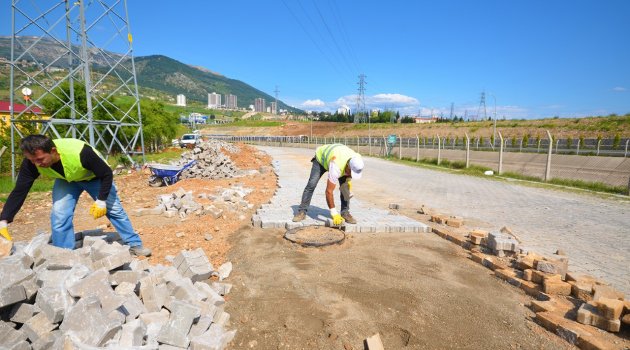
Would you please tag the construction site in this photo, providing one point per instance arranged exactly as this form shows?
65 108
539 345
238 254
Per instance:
420 257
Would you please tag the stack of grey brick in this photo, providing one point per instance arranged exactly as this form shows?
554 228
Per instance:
501 243
99 296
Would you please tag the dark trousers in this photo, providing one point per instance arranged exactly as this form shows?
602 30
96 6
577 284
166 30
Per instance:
317 170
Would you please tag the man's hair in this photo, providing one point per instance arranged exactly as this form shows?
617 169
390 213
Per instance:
31 143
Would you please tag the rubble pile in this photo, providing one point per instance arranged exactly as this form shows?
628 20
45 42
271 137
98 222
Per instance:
181 203
100 296
211 162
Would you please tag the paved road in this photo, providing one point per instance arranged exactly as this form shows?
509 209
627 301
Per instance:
594 232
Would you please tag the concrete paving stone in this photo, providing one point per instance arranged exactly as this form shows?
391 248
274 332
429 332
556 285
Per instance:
11 336
44 251
87 321
225 270
22 312
46 341
121 276
86 286
18 260
175 331
38 326
132 307
154 322
209 293
221 317
13 275
183 289
153 295
201 326
114 261
221 288
126 288
54 302
12 295
22 345
133 333
214 338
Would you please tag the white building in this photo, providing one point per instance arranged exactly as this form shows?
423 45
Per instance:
345 110
181 100
259 104
231 101
274 107
214 100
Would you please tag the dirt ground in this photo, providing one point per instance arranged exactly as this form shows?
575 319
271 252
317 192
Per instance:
416 290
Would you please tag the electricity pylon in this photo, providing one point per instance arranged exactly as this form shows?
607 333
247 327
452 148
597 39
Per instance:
76 56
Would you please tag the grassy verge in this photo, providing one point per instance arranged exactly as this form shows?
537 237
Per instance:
476 170
42 184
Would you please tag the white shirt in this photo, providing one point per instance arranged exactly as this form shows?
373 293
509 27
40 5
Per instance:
334 173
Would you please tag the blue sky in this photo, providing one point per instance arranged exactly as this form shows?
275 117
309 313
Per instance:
534 58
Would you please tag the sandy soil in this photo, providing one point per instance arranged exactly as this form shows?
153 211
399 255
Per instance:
417 290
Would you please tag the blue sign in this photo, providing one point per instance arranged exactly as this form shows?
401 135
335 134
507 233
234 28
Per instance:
391 139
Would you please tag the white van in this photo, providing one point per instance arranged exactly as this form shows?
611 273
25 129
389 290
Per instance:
189 139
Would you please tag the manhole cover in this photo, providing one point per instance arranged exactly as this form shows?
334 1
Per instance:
315 236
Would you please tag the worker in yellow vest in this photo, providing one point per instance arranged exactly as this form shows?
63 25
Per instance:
343 165
76 167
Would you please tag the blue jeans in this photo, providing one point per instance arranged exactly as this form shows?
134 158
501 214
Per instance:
317 170
65 195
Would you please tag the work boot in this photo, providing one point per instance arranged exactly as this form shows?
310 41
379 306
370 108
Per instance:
299 216
349 219
140 250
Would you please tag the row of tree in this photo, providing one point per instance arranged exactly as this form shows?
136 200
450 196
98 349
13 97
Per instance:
158 125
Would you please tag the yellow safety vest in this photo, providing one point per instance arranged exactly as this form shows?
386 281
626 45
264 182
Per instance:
70 152
336 152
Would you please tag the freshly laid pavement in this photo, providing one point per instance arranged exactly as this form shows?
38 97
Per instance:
594 232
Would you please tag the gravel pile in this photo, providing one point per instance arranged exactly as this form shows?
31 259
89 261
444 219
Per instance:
211 162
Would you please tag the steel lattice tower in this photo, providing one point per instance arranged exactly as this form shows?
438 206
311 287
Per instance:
76 55
359 115
482 103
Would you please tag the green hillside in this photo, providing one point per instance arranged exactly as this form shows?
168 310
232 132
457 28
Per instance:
159 77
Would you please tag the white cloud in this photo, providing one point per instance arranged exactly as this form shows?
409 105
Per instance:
395 99
314 103
619 89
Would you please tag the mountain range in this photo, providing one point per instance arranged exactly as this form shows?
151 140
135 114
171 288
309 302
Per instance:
157 75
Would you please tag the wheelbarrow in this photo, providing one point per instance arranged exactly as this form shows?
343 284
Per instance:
165 175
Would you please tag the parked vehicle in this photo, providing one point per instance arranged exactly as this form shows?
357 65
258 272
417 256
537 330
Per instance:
189 140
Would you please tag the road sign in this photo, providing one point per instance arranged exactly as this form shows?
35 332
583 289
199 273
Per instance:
391 139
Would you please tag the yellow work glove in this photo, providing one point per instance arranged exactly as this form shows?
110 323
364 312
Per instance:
98 209
4 231
337 219
349 185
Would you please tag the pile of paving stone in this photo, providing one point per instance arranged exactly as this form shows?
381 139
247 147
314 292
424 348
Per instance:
100 296
182 203
211 162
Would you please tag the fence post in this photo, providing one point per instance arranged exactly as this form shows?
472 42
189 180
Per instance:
548 168
385 147
520 148
577 151
467 150
345 140
500 154
358 145
418 148
399 148
439 150
625 154
557 142
598 143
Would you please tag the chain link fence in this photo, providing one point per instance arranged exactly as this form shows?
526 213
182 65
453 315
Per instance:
605 161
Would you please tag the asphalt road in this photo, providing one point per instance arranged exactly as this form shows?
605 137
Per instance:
594 232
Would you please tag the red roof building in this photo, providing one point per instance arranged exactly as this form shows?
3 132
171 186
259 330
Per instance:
5 108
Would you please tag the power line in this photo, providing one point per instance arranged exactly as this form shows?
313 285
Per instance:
341 52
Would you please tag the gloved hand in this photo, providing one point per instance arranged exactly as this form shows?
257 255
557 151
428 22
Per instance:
98 209
4 231
349 185
337 219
